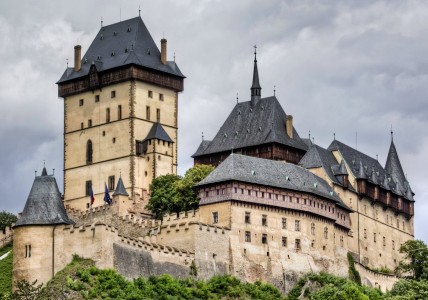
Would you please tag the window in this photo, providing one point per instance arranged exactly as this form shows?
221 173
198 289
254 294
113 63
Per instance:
384 241
264 220
291 199
88 187
148 113
27 250
108 115
97 98
325 232
313 228
81 125
284 241
365 233
393 245
89 152
297 244
119 112
158 115
215 217
89 123
207 194
374 237
161 97
81 102
297 225
111 183
242 191
341 241
264 238
284 223
150 94
247 217
398 224
114 140
248 236
113 94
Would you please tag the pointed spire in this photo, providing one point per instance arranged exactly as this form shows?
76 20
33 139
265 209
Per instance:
120 188
342 168
361 172
385 183
393 165
373 177
255 87
44 172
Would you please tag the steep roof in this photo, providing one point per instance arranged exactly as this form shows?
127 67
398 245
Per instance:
124 43
120 188
158 132
270 173
251 125
202 146
44 205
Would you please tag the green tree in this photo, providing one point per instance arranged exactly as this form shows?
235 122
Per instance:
406 289
415 262
7 219
163 195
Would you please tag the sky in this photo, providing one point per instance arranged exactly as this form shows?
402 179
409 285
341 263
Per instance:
349 68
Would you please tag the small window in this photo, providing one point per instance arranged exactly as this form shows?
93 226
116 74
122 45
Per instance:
158 115
89 123
108 115
264 238
81 125
215 217
81 102
284 241
284 223
374 237
242 191
119 112
207 194
313 228
393 245
148 113
365 233
384 241
104 133
89 152
236 190
341 241
161 97
150 94
114 140
113 94
88 187
247 217
325 232
111 183
263 194
297 244
297 225
249 193
97 98
264 220
248 236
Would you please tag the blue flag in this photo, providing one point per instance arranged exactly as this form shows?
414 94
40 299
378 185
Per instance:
107 198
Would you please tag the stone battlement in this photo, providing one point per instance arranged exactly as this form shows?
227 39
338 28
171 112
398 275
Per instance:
191 215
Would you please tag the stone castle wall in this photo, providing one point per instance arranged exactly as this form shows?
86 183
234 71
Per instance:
376 279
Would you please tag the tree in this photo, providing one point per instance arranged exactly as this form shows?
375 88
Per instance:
415 262
7 219
171 193
27 291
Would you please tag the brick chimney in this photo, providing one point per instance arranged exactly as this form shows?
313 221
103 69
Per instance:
77 57
163 51
289 125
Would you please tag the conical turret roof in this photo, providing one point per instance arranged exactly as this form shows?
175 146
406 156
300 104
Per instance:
393 165
120 188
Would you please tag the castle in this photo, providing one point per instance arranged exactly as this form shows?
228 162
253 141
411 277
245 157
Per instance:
277 206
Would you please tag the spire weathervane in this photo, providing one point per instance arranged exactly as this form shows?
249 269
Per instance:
202 135
237 97
101 22
274 90
392 134
139 10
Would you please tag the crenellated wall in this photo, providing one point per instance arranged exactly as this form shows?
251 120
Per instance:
375 279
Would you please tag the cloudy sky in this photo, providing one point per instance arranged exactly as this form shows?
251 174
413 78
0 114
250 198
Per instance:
345 67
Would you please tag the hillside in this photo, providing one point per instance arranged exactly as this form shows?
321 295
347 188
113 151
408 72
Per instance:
6 270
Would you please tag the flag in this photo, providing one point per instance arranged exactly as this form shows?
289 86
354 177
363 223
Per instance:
107 198
92 196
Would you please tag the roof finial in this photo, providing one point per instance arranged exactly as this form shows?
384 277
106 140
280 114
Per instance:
309 135
101 22
334 136
392 134
255 53
274 90
377 157
53 171
44 164
120 172
256 89
237 97
313 140
35 173
67 62
202 135
174 56
139 10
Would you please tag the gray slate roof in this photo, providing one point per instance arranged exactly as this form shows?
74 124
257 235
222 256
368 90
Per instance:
120 188
202 146
44 205
267 172
158 132
249 125
124 43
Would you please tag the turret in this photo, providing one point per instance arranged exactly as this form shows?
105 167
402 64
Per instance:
256 89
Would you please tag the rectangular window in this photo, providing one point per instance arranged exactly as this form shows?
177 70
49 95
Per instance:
264 220
148 113
97 98
111 183
158 115
89 123
384 241
113 94
298 246
247 218
88 186
365 233
248 236
161 97
119 112
374 237
81 125
284 241
297 225
108 115
206 194
81 102
150 94
215 217
393 245
264 238
284 223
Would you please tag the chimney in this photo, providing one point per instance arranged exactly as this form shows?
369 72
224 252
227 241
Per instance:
77 57
163 51
289 125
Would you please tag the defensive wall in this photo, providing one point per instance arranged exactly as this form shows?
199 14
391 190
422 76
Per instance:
375 279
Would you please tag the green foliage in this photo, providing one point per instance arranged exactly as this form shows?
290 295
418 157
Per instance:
27 290
6 266
352 272
7 219
172 193
415 262
406 289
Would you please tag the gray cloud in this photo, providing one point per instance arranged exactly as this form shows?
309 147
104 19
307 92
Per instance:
338 67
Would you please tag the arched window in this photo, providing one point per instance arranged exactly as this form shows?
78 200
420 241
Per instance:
89 152
325 232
